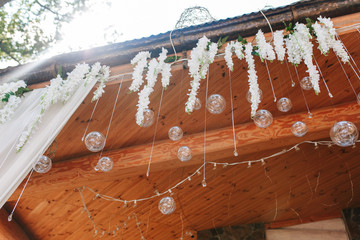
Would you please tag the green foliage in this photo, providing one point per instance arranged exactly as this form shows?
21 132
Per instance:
171 59
19 93
289 28
309 25
222 41
242 40
22 33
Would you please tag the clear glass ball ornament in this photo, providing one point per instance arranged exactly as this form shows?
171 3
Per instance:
248 96
95 141
167 205
299 129
216 104
306 84
175 133
263 118
197 104
344 134
184 153
284 104
104 164
148 118
43 165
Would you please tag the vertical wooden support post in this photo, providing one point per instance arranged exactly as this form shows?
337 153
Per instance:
352 222
10 230
255 231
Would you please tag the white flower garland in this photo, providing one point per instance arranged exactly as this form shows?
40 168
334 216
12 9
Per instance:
140 62
326 39
61 90
155 67
279 45
233 46
299 47
265 49
7 109
253 84
200 58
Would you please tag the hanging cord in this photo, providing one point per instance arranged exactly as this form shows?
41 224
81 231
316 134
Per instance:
292 81
272 87
327 88
22 191
302 91
156 125
92 114
206 102
267 20
112 114
172 44
232 115
338 38
352 87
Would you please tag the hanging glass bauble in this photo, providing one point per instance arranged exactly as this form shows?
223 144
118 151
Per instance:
175 133
248 95
43 165
184 153
299 129
148 118
216 104
167 205
95 141
104 164
306 84
197 104
344 133
263 118
284 104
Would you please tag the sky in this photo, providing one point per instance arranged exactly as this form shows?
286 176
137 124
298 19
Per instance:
139 18
136 19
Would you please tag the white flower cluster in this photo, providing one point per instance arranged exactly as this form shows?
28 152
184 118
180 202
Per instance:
253 84
326 39
233 46
279 45
11 87
265 50
200 58
101 73
155 67
299 47
61 90
140 62
8 108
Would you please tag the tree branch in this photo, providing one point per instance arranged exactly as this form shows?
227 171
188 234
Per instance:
9 54
46 7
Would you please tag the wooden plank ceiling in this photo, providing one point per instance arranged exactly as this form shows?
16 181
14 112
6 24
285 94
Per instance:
299 186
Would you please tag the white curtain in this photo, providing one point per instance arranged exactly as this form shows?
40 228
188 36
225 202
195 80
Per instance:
15 166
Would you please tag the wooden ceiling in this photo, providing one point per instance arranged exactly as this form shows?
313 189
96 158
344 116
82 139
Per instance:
298 186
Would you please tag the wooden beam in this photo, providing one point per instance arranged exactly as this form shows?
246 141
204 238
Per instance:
10 230
219 145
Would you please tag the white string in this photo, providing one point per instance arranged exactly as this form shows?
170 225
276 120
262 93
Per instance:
338 38
206 102
92 114
272 87
352 87
112 114
188 178
302 91
156 125
172 44
330 95
232 114
22 191
292 81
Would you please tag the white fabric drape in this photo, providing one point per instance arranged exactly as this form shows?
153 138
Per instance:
15 166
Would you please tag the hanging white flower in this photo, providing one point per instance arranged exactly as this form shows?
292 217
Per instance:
140 62
299 47
74 79
265 50
154 68
326 39
102 74
8 90
279 45
253 84
233 46
200 58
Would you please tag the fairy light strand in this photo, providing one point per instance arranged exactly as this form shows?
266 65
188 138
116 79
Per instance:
197 171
